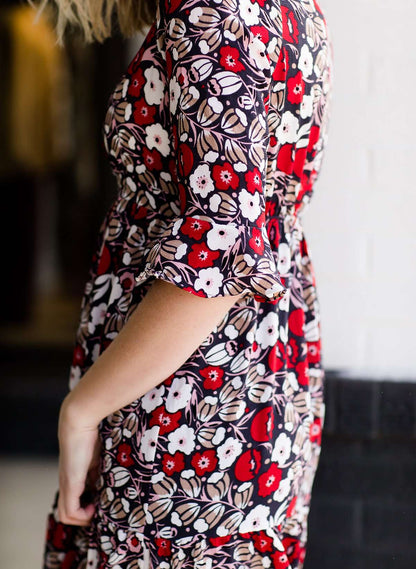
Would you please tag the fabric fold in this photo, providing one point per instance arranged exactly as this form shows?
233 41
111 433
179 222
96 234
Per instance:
212 259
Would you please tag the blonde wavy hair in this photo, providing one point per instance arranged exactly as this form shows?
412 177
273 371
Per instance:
95 18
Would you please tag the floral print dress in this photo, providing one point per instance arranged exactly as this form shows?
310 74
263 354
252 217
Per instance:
216 134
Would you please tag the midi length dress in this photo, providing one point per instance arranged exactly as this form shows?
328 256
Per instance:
216 134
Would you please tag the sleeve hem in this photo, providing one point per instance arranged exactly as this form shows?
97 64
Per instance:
233 286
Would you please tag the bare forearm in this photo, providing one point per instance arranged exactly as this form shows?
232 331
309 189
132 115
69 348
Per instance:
167 326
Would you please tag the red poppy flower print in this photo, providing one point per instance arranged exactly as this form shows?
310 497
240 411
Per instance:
225 177
58 533
297 321
195 228
262 425
213 377
285 159
293 350
152 159
290 25
136 84
299 163
204 462
269 481
143 113
167 422
230 58
185 159
261 33
280 560
280 71
314 352
202 256
173 463
301 369
256 242
254 181
247 465
124 455
277 356
313 139
315 430
78 356
138 211
104 262
296 88
164 546
218 541
263 542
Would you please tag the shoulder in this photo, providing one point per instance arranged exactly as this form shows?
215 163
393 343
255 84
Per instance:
251 26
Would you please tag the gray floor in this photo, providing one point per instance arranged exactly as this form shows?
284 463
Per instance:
27 487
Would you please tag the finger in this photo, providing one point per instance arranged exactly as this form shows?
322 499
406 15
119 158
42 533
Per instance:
72 512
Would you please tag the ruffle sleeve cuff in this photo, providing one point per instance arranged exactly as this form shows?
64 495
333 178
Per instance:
211 259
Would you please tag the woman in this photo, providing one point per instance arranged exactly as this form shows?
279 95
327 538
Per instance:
196 398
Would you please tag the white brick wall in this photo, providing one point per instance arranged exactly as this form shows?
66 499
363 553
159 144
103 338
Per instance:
361 225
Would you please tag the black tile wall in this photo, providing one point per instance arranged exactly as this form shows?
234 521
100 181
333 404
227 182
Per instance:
363 509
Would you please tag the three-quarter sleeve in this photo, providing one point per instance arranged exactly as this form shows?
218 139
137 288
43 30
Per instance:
217 83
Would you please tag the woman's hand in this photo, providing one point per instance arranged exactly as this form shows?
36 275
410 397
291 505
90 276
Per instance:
79 460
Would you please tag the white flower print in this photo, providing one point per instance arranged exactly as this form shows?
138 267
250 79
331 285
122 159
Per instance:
287 131
92 557
283 265
249 204
231 331
179 395
214 202
174 94
201 526
284 302
154 88
249 12
283 490
148 443
215 104
181 439
222 236
74 376
157 137
267 333
281 449
258 52
175 519
211 156
201 181
219 436
97 316
209 280
153 398
256 519
181 251
305 61
283 333
127 112
195 14
312 333
228 452
306 106
116 290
